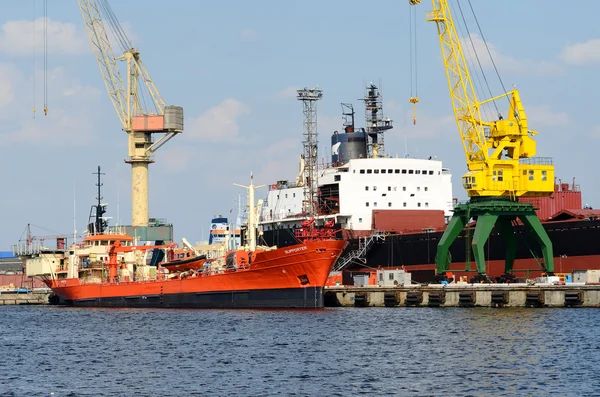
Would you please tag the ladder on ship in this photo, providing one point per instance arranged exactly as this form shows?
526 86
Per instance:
359 255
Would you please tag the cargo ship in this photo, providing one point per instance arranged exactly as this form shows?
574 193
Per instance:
393 211
109 269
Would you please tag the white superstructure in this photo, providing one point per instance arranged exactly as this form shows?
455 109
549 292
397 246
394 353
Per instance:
363 189
351 192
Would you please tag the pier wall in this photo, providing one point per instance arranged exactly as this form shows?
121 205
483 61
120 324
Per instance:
466 295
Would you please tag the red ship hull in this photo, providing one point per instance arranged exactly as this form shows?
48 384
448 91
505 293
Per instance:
282 278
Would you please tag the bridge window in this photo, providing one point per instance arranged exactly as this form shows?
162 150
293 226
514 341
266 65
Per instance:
418 188
418 204
417 172
404 204
389 188
383 171
430 172
390 171
404 171
425 188
375 204
337 178
374 188
424 172
286 195
366 188
531 175
362 171
359 220
411 171
294 195
403 188
426 204
376 171
369 171
389 204
544 175
396 171
367 204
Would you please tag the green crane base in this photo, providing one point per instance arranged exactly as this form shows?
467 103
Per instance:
489 213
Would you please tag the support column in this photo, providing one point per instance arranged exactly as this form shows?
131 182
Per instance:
532 222
506 231
456 225
485 224
139 193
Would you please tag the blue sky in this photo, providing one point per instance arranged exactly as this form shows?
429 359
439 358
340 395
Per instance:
234 67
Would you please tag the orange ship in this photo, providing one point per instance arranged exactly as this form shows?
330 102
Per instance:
109 270
290 277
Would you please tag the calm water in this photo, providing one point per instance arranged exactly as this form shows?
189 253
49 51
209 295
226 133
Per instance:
336 352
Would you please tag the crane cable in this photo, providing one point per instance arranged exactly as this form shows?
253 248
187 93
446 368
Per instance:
477 56
412 26
488 50
45 57
34 57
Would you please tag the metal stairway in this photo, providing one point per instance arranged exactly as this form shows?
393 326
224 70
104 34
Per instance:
359 255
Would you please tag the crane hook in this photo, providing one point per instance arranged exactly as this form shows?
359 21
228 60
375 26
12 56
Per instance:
414 101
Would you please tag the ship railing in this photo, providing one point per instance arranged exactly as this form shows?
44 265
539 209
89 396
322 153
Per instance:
27 249
536 161
280 217
359 255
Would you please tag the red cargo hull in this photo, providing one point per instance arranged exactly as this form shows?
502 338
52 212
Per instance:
286 277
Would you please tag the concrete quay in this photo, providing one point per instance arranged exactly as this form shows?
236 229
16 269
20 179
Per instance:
465 295
24 298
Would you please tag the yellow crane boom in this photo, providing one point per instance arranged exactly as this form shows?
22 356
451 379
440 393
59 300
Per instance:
500 160
499 153
138 122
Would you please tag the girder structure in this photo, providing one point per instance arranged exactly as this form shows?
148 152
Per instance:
140 117
309 97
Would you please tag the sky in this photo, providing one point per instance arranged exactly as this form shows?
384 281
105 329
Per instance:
235 66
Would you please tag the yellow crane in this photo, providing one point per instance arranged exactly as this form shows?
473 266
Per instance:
140 108
500 160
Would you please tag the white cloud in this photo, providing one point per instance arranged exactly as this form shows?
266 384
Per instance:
545 117
71 116
8 73
286 93
248 35
174 159
587 53
59 128
281 147
506 63
22 38
219 123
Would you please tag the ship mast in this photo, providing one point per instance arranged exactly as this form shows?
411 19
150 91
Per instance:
376 125
99 224
309 96
252 219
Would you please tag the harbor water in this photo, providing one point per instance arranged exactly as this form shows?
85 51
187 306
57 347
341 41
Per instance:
60 351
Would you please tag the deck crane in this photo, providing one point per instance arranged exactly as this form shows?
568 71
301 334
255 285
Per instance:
500 159
139 119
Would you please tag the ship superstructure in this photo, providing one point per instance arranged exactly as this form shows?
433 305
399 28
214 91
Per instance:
362 189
